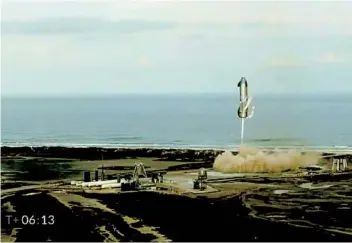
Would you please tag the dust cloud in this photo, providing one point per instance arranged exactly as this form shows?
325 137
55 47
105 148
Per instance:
253 160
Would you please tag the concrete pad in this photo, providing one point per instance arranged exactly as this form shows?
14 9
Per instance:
219 174
178 179
187 186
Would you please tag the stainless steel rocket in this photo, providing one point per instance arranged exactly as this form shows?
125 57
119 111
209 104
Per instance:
245 110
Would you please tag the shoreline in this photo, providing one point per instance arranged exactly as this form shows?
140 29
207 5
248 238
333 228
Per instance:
164 153
233 147
100 153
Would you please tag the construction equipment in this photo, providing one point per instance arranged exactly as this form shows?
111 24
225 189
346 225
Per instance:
157 177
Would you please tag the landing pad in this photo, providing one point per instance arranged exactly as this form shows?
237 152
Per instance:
217 174
187 187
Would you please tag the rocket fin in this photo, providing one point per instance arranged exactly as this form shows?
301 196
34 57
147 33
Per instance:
251 112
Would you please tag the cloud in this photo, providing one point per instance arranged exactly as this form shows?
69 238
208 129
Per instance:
330 57
284 62
52 26
106 41
272 18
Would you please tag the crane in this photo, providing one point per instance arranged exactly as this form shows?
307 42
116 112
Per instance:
135 184
138 170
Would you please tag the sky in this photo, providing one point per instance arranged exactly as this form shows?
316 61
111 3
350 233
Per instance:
113 47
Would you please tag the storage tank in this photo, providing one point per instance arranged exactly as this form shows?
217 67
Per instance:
86 176
96 177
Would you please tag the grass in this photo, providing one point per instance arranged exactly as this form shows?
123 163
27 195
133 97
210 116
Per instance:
152 162
33 168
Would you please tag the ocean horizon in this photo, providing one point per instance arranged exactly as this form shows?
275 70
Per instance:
177 120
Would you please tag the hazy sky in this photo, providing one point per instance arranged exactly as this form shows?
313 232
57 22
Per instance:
96 47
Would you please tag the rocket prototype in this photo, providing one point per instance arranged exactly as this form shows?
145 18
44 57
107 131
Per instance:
245 110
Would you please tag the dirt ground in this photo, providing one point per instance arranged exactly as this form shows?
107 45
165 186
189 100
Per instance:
263 207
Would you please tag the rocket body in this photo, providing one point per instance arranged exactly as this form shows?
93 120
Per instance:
245 109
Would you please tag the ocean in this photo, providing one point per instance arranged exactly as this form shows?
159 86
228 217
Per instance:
198 120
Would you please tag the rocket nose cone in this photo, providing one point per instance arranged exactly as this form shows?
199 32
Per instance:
242 81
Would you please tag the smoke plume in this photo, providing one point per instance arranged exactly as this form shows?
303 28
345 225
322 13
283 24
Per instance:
254 160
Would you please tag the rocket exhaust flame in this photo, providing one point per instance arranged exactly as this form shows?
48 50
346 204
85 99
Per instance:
245 110
242 131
